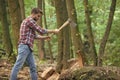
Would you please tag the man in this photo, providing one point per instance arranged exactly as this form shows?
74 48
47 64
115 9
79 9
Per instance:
26 40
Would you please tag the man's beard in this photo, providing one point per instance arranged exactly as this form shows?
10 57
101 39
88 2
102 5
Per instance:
35 19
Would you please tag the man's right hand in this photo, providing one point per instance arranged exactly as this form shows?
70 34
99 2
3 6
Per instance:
56 31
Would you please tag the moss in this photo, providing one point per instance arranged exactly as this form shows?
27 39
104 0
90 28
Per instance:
89 74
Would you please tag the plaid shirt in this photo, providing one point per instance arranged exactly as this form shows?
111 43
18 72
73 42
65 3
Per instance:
27 32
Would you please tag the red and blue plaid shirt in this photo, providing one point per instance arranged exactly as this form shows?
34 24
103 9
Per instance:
27 32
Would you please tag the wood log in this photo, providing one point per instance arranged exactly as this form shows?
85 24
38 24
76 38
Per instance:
54 76
47 73
80 59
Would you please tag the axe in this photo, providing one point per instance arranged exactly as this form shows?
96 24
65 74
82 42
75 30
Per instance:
69 21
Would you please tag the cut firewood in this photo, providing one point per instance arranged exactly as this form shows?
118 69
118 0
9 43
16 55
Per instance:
47 73
75 66
54 76
80 59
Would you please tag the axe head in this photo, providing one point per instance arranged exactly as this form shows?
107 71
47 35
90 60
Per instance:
72 23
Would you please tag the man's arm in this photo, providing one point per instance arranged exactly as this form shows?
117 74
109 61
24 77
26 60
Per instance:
42 37
32 24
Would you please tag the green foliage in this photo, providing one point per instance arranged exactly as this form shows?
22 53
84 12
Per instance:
51 24
29 4
80 15
99 16
113 46
50 15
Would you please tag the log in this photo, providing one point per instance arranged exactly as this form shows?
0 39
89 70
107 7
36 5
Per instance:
55 76
89 73
80 59
47 73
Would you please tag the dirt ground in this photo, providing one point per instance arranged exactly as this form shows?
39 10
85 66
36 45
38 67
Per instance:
24 74
85 73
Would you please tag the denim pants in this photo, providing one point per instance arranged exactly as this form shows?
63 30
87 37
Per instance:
24 55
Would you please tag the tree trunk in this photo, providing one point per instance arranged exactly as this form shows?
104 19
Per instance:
22 8
107 32
15 16
76 37
45 23
89 32
61 14
5 28
66 35
40 43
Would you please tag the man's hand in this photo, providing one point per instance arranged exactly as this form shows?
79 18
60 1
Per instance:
56 31
43 37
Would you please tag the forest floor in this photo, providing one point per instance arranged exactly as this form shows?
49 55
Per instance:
86 73
24 74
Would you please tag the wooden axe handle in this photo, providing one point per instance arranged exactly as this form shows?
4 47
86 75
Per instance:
61 27
65 24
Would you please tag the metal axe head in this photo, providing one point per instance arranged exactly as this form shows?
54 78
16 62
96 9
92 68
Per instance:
72 23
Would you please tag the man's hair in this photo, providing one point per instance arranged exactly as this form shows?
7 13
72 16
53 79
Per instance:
36 11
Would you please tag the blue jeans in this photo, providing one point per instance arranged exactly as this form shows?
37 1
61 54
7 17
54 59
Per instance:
24 54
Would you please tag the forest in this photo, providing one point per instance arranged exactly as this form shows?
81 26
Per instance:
86 48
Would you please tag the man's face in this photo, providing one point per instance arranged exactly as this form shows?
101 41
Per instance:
37 16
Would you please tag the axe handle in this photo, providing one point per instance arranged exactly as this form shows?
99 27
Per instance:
65 24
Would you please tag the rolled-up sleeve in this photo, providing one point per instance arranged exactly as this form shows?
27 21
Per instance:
32 24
